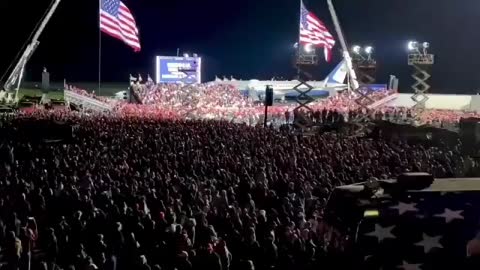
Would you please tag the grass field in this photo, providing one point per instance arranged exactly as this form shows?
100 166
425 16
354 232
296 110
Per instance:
56 92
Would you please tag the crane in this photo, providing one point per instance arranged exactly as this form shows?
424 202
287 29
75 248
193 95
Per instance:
353 81
15 79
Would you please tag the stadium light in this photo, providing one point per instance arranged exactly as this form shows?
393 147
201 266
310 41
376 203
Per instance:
356 49
185 55
195 55
412 45
425 46
308 48
369 50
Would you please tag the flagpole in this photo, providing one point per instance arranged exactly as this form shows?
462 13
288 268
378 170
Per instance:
99 49
299 22
298 40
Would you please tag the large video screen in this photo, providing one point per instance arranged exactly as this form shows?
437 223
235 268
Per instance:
171 69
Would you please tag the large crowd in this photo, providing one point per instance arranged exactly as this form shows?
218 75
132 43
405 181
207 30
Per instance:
142 192
223 101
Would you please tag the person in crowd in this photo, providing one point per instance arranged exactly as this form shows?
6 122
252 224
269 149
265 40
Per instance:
141 192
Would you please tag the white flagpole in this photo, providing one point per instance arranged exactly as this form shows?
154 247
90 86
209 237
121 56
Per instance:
299 22
99 49
298 40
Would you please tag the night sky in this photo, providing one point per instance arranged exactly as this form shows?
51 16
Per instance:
245 38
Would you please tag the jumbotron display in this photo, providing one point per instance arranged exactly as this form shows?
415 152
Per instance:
172 69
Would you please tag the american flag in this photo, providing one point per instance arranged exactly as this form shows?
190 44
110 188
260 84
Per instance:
423 231
313 31
117 21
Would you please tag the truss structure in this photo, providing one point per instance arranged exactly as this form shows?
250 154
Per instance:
421 64
303 112
366 70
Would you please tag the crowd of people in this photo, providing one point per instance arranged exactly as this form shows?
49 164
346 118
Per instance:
139 192
351 101
223 101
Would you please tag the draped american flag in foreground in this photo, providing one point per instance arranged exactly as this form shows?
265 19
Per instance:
313 31
423 231
431 229
117 21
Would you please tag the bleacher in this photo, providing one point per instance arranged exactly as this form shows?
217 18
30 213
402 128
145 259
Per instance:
86 103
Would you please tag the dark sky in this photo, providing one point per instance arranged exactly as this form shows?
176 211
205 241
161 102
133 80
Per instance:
245 38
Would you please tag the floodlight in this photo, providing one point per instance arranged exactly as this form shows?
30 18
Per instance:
426 45
412 45
368 50
185 55
356 49
308 48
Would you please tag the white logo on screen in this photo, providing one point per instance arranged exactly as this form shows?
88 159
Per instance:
174 67
174 73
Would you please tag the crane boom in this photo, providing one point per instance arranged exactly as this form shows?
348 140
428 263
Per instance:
17 73
346 55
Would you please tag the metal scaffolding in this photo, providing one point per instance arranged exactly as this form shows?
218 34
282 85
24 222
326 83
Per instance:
366 70
421 62
304 60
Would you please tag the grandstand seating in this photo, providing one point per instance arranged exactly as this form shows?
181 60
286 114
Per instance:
87 103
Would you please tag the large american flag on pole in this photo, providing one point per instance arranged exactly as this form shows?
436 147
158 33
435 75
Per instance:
117 21
313 31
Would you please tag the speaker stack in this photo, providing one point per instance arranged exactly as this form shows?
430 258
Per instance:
269 96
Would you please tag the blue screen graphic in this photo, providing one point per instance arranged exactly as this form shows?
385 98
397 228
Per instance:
178 69
377 87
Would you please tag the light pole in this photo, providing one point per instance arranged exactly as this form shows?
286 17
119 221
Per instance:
364 64
422 62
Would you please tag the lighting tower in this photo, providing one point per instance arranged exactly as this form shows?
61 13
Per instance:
306 56
422 62
364 64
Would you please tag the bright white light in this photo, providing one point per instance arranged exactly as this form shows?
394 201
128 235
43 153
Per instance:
308 48
185 55
412 45
368 50
295 45
356 49
195 55
426 45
